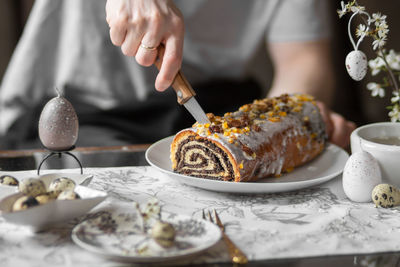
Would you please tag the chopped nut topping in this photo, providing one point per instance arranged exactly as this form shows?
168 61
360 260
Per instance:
234 123
298 145
216 129
245 108
290 169
241 165
297 109
251 115
274 119
247 150
210 116
256 128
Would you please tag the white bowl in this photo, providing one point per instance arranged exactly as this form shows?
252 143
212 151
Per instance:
388 155
57 211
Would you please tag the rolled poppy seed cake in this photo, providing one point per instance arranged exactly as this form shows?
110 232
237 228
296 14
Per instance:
267 137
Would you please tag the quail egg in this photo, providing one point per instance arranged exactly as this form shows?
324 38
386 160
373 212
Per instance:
8 180
32 187
163 233
386 196
68 195
61 184
24 203
45 198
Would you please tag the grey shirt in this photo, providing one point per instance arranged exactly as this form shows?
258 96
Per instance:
66 45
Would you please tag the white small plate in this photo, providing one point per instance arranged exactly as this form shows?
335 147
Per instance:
115 235
326 166
56 211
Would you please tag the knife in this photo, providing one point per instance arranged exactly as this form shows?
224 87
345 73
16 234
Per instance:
184 91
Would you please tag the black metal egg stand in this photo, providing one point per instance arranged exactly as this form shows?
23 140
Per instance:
59 154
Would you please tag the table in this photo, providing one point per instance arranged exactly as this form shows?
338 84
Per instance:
312 227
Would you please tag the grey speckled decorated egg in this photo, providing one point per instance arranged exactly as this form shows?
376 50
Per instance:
356 65
360 175
58 125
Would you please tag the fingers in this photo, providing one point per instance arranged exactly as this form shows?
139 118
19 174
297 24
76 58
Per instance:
325 113
141 29
147 49
117 35
337 127
172 60
117 19
131 42
171 64
342 130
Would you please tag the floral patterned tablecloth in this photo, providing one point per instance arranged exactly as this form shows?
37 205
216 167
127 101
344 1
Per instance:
312 222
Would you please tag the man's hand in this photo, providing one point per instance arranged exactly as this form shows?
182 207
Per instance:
139 26
306 67
337 127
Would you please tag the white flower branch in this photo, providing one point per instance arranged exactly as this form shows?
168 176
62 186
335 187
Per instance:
384 61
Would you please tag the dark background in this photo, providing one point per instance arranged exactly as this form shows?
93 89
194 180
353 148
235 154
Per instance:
352 99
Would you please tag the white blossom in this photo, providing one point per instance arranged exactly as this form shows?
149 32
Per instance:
361 30
356 9
396 97
394 114
376 65
377 18
376 89
343 11
393 59
383 30
380 42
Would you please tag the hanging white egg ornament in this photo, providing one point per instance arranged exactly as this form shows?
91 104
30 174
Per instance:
58 125
356 65
360 175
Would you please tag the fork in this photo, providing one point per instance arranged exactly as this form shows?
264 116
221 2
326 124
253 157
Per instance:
237 256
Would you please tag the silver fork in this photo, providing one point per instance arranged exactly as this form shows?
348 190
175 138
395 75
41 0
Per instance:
237 256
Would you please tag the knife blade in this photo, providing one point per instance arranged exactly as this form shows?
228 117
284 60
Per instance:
184 92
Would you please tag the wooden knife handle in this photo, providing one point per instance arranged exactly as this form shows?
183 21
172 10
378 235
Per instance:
183 89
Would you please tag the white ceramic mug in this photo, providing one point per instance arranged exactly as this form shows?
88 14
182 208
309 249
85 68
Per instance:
388 155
